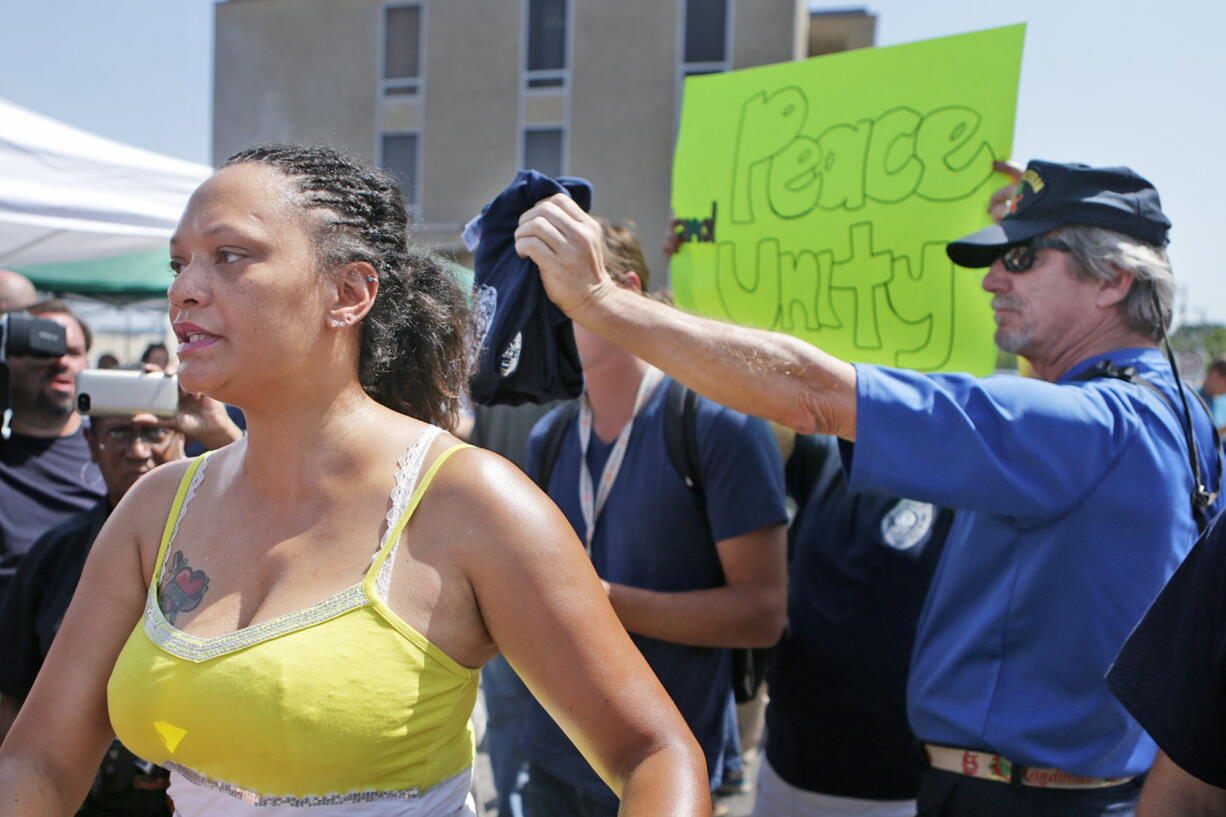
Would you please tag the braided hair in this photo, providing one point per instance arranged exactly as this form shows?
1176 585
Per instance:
414 353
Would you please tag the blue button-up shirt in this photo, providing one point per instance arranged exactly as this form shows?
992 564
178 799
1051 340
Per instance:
1074 510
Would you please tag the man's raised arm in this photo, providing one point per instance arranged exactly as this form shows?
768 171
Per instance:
770 375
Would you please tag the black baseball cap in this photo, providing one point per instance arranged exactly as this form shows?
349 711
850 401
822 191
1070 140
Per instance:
1052 195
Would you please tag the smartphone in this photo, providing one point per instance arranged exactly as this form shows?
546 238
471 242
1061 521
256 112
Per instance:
118 391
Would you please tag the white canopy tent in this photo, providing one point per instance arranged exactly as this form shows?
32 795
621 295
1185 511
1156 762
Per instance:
67 195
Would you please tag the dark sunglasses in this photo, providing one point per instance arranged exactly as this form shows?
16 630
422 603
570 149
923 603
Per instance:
1020 257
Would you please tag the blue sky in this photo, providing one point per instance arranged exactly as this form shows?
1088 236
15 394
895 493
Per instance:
1103 82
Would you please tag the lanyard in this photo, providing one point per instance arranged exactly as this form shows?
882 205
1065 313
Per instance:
592 504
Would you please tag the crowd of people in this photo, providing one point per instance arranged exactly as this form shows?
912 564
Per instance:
949 578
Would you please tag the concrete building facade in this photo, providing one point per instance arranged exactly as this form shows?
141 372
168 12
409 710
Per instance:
455 95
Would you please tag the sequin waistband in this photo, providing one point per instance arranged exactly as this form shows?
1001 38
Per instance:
197 795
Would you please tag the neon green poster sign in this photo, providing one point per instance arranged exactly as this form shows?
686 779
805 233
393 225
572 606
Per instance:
816 197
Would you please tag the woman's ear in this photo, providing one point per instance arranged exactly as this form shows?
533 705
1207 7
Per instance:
355 286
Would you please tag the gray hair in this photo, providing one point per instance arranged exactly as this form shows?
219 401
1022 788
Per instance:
1101 253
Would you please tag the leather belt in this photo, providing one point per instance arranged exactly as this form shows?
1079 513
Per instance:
988 766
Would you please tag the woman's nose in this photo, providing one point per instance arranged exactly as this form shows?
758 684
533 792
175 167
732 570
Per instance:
188 287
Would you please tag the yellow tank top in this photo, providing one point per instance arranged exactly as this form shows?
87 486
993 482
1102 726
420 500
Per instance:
339 702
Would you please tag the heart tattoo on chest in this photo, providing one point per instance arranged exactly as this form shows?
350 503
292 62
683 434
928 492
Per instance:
182 589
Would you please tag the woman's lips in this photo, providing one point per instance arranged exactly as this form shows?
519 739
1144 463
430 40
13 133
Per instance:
193 338
197 341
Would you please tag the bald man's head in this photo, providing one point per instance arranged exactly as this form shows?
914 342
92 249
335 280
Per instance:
16 291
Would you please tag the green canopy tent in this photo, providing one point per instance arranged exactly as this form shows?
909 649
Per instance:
120 279
136 277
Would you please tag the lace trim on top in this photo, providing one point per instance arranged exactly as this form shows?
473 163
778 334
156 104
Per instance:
197 478
408 472
197 648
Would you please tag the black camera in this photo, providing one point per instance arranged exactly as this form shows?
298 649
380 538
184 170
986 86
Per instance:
24 336
27 336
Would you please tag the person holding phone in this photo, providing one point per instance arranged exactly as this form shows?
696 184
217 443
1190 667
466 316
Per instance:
295 623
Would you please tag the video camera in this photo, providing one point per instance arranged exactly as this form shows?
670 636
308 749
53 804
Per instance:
25 336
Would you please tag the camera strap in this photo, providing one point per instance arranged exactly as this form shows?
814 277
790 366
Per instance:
1202 498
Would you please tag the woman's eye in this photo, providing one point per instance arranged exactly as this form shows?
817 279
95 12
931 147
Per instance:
176 267
227 256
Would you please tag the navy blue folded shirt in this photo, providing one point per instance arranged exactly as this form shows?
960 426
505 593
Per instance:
527 352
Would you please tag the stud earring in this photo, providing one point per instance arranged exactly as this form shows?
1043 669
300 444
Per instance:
372 278
337 323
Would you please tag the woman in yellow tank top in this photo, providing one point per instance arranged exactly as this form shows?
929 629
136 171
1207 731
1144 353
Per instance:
295 624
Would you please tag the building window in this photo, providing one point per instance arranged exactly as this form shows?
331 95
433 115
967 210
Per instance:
706 30
544 99
545 65
546 35
402 49
543 150
399 157
706 42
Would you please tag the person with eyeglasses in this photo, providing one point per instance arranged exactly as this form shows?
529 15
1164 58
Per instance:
124 448
1077 492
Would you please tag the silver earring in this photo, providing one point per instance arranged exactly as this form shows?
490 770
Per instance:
371 278
337 323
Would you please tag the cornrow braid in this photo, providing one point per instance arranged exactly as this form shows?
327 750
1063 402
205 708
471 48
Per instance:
414 355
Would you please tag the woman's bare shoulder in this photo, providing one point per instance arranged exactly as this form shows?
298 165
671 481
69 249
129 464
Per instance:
490 502
478 475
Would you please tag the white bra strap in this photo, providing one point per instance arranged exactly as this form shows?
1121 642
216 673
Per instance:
408 472
197 478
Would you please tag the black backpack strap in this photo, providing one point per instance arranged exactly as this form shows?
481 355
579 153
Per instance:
681 438
689 416
749 665
813 465
552 443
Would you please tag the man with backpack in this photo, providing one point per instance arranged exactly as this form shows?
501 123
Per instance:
679 502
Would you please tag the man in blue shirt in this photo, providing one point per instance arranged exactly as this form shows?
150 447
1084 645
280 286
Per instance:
686 580
1077 492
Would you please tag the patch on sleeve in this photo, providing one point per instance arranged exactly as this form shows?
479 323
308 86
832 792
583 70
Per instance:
907 524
